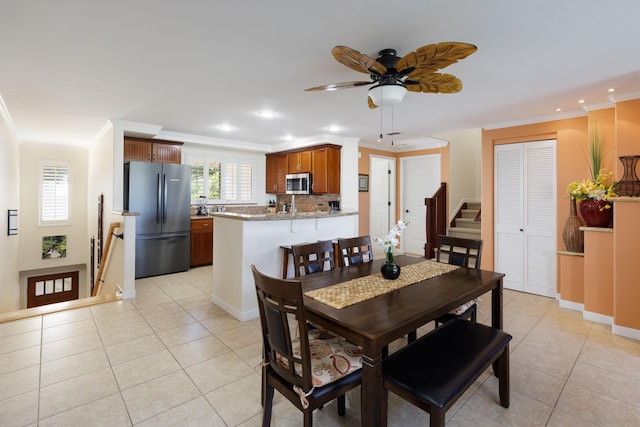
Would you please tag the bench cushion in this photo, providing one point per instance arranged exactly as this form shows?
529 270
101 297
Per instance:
442 364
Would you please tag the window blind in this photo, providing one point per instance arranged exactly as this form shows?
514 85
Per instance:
54 201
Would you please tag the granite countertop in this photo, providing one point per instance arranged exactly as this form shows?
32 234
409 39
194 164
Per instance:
280 216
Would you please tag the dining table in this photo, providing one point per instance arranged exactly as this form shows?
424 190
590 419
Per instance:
374 322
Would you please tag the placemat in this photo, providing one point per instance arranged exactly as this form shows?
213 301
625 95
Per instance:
361 289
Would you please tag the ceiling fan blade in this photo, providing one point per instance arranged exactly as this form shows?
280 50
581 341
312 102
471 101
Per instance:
336 86
434 83
370 103
357 61
434 57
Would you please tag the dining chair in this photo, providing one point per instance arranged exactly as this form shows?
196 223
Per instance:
434 371
308 367
464 253
355 250
311 258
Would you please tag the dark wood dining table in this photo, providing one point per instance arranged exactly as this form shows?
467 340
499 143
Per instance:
376 322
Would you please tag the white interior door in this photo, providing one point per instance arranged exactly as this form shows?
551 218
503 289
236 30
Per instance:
381 196
508 228
525 216
420 179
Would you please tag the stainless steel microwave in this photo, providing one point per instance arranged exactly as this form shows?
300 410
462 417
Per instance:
298 183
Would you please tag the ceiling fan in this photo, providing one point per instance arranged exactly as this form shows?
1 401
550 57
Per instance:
394 76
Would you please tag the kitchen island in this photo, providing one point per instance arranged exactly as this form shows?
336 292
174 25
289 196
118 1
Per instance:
241 240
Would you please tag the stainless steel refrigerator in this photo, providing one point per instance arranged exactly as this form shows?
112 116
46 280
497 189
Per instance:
160 192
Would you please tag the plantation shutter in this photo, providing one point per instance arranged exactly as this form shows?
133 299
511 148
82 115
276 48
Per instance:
54 203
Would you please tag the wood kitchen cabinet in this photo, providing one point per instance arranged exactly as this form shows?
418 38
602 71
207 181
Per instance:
325 171
147 150
322 161
276 170
299 162
201 242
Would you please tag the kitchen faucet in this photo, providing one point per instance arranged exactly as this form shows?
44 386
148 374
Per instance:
292 208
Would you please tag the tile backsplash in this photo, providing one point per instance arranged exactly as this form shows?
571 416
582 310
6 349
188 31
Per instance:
304 203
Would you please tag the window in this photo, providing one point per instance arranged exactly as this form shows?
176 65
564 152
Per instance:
54 193
221 179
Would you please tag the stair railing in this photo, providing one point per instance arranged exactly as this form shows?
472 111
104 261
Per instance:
436 219
105 256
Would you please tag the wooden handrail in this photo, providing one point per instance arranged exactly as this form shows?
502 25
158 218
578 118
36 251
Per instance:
436 219
105 254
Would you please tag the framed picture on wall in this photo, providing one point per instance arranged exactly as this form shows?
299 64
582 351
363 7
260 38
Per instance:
363 182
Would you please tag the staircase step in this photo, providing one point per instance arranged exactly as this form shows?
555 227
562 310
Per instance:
469 213
473 205
467 233
468 223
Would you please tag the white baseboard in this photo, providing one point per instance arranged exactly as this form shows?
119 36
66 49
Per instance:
597 317
571 305
626 332
240 315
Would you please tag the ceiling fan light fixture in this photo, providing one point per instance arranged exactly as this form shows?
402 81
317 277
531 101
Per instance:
387 95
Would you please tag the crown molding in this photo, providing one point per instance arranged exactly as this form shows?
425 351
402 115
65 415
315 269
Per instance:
540 119
621 97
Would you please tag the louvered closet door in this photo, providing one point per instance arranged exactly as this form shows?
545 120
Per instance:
525 215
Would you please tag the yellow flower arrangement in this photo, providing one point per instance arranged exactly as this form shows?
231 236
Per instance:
602 188
601 185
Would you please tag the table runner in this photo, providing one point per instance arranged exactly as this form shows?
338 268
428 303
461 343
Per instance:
361 289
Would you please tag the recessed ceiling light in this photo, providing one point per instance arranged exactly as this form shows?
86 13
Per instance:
224 127
581 101
612 89
558 109
267 114
334 128
288 137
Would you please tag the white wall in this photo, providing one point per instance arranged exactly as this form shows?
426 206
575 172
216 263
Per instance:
465 155
102 180
9 199
32 155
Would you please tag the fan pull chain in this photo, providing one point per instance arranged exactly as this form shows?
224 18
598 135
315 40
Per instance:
380 138
392 131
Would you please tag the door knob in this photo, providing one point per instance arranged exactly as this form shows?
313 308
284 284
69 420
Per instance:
407 211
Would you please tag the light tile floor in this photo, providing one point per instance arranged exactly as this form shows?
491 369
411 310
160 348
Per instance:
171 358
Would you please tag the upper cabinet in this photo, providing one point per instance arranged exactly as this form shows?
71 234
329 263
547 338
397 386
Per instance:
146 150
325 171
323 162
299 162
277 165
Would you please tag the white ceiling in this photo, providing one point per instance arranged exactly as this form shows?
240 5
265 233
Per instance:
68 66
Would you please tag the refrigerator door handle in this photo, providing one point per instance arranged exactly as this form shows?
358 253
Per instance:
158 200
164 199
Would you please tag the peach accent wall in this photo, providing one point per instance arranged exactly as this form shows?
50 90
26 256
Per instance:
571 276
363 168
598 271
626 246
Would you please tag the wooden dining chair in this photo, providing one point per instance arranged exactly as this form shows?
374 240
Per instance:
464 253
308 379
311 258
434 371
355 250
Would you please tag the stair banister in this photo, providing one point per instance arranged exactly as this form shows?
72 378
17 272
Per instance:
436 219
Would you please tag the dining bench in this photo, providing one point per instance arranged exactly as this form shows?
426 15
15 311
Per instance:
434 371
